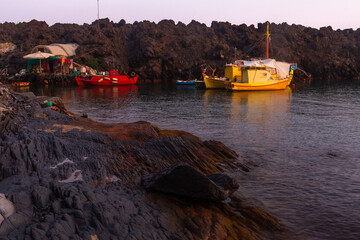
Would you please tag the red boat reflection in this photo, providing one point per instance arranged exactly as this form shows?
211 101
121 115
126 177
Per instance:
107 91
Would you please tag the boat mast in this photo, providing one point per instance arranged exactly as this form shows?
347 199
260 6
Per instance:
267 40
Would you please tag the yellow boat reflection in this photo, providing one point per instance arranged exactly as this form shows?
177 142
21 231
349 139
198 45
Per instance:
257 107
260 107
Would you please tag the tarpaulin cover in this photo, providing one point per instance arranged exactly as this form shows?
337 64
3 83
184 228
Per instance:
282 68
64 50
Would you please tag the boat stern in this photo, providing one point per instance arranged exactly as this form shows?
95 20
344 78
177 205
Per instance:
79 81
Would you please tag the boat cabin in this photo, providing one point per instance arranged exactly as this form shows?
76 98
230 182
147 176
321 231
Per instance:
255 76
257 71
233 72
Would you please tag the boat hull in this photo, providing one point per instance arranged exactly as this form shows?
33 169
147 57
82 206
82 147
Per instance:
214 82
106 80
181 82
200 84
20 84
269 85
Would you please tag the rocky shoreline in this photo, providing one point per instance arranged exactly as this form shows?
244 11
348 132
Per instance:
169 50
69 177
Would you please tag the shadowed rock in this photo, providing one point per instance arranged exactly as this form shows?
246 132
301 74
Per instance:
227 183
184 180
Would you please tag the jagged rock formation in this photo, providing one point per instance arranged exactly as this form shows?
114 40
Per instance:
72 178
168 51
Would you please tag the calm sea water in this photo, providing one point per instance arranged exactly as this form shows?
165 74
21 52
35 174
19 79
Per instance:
303 146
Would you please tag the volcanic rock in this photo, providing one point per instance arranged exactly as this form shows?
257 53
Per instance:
184 180
170 50
227 183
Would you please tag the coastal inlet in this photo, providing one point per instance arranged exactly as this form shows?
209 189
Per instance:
302 145
66 176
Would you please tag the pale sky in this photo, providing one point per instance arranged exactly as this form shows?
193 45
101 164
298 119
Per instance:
310 13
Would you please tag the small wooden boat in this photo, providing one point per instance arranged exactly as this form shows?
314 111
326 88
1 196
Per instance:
114 79
185 82
20 84
214 82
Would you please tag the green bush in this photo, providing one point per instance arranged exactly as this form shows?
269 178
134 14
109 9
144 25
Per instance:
95 63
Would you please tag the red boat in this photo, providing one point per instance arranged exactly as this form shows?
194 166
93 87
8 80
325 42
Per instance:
114 79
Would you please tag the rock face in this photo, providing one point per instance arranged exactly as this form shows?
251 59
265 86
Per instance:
72 178
170 51
6 47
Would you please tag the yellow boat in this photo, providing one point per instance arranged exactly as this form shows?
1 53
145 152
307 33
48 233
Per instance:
275 85
267 74
214 82
259 74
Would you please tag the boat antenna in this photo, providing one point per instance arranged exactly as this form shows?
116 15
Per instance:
98 15
267 40
98 12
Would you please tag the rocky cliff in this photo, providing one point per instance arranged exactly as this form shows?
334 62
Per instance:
169 51
68 177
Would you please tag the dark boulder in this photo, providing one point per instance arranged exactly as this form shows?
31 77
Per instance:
185 181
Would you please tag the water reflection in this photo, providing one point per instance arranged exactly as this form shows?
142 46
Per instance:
265 108
107 91
261 107
21 89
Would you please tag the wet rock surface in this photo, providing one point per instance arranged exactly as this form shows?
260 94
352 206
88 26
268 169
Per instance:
225 182
170 50
73 178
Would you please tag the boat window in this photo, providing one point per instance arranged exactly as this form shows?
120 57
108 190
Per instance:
271 70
